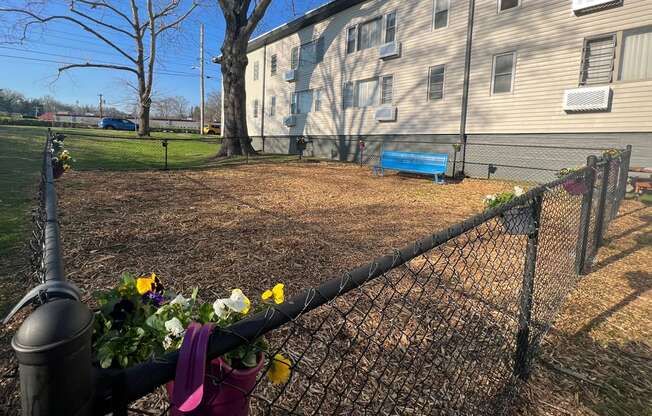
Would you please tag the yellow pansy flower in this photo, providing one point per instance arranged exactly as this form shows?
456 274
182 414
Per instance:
279 371
276 292
146 284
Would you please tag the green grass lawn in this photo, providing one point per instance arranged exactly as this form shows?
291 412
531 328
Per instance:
20 162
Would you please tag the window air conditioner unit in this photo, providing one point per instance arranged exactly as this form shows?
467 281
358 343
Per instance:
390 50
290 121
290 76
587 99
386 113
583 6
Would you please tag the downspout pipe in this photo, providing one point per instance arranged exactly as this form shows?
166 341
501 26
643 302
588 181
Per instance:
465 88
262 107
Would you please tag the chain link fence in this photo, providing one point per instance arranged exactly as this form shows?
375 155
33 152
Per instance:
528 163
447 325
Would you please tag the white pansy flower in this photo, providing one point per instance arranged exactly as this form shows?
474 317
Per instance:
174 327
518 191
181 301
167 342
238 302
220 308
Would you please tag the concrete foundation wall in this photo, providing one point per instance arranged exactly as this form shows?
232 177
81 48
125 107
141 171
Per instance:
526 157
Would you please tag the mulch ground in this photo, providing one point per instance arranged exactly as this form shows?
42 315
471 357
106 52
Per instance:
302 223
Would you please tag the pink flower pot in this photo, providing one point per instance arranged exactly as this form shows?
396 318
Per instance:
226 390
575 186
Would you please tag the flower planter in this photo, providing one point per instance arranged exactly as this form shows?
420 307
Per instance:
518 220
575 186
225 390
57 171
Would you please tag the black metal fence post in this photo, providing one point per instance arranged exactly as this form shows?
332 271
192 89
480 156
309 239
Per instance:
164 142
600 215
585 216
53 345
522 359
624 175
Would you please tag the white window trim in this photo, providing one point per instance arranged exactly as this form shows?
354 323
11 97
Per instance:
382 89
499 3
312 104
384 29
355 40
493 72
443 84
448 18
273 69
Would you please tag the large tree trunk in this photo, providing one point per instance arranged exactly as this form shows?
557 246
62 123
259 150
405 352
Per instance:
233 65
143 120
236 135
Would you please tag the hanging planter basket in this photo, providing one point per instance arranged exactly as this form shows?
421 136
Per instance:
57 170
518 220
225 390
575 186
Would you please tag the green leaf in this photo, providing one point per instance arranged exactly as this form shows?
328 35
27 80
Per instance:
250 360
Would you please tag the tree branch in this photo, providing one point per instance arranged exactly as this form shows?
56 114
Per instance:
177 21
258 13
99 22
108 6
87 28
91 65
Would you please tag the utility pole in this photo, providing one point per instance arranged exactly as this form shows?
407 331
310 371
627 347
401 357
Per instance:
201 79
101 108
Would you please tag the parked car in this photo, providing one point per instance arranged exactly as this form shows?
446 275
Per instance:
213 128
108 123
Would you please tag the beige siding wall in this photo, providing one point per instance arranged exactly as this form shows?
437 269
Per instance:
422 48
548 39
546 35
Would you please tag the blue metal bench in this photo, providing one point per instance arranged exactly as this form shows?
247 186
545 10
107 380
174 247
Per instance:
423 163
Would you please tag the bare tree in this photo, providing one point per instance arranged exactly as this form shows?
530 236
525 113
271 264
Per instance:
110 22
170 107
213 109
240 24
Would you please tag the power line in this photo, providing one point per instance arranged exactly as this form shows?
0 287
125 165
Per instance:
61 62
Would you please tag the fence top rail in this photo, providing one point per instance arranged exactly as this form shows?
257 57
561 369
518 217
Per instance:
142 379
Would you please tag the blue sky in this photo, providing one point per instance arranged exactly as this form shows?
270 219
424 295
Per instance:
30 67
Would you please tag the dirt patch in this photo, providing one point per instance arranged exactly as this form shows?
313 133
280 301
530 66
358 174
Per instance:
252 226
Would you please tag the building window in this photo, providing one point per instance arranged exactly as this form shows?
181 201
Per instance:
387 87
312 53
255 108
273 66
351 36
390 27
436 82
301 102
256 71
294 58
503 73
440 18
366 93
507 4
347 95
598 60
636 56
272 106
369 33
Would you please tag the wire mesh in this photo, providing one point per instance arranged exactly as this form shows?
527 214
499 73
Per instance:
445 326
